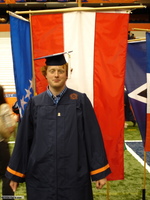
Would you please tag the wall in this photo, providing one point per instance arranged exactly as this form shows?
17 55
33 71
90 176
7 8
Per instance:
6 67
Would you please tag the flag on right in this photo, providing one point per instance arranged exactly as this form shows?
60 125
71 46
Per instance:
137 80
147 142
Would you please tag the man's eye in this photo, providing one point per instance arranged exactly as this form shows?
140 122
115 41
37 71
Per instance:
60 71
52 71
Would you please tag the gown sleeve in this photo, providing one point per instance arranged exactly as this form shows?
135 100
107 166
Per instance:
16 169
98 164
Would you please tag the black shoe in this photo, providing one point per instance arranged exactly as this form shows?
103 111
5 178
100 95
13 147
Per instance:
134 123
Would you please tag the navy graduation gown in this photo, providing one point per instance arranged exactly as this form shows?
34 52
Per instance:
59 149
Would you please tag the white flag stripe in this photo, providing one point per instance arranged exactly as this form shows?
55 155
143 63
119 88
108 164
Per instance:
148 92
134 94
82 75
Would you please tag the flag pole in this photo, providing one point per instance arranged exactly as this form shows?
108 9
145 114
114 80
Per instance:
64 10
144 178
17 16
33 72
138 39
79 3
141 29
107 190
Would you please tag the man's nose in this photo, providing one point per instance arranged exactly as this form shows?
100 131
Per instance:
56 73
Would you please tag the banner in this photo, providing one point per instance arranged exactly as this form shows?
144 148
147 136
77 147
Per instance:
98 42
147 143
22 60
136 84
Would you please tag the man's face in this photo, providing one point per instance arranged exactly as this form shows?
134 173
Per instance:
56 76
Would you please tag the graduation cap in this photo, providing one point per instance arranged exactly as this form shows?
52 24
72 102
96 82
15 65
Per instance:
55 59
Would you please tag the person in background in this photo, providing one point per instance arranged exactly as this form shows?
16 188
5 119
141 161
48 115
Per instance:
15 109
131 36
4 149
128 111
59 146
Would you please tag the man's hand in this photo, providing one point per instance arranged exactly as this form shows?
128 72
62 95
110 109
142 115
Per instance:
14 185
100 183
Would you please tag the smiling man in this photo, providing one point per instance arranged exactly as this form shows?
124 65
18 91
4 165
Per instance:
59 147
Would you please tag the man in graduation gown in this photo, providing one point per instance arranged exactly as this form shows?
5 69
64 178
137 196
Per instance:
59 147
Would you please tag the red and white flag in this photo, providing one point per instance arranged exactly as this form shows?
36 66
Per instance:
99 42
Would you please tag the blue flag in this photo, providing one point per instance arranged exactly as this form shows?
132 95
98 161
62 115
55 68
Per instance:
148 50
136 83
22 60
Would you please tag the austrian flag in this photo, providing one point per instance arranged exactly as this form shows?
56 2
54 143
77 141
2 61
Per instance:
98 42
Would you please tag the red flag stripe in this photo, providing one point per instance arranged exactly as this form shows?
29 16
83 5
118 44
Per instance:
47 39
147 143
109 71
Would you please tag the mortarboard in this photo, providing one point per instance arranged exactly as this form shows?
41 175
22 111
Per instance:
55 59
